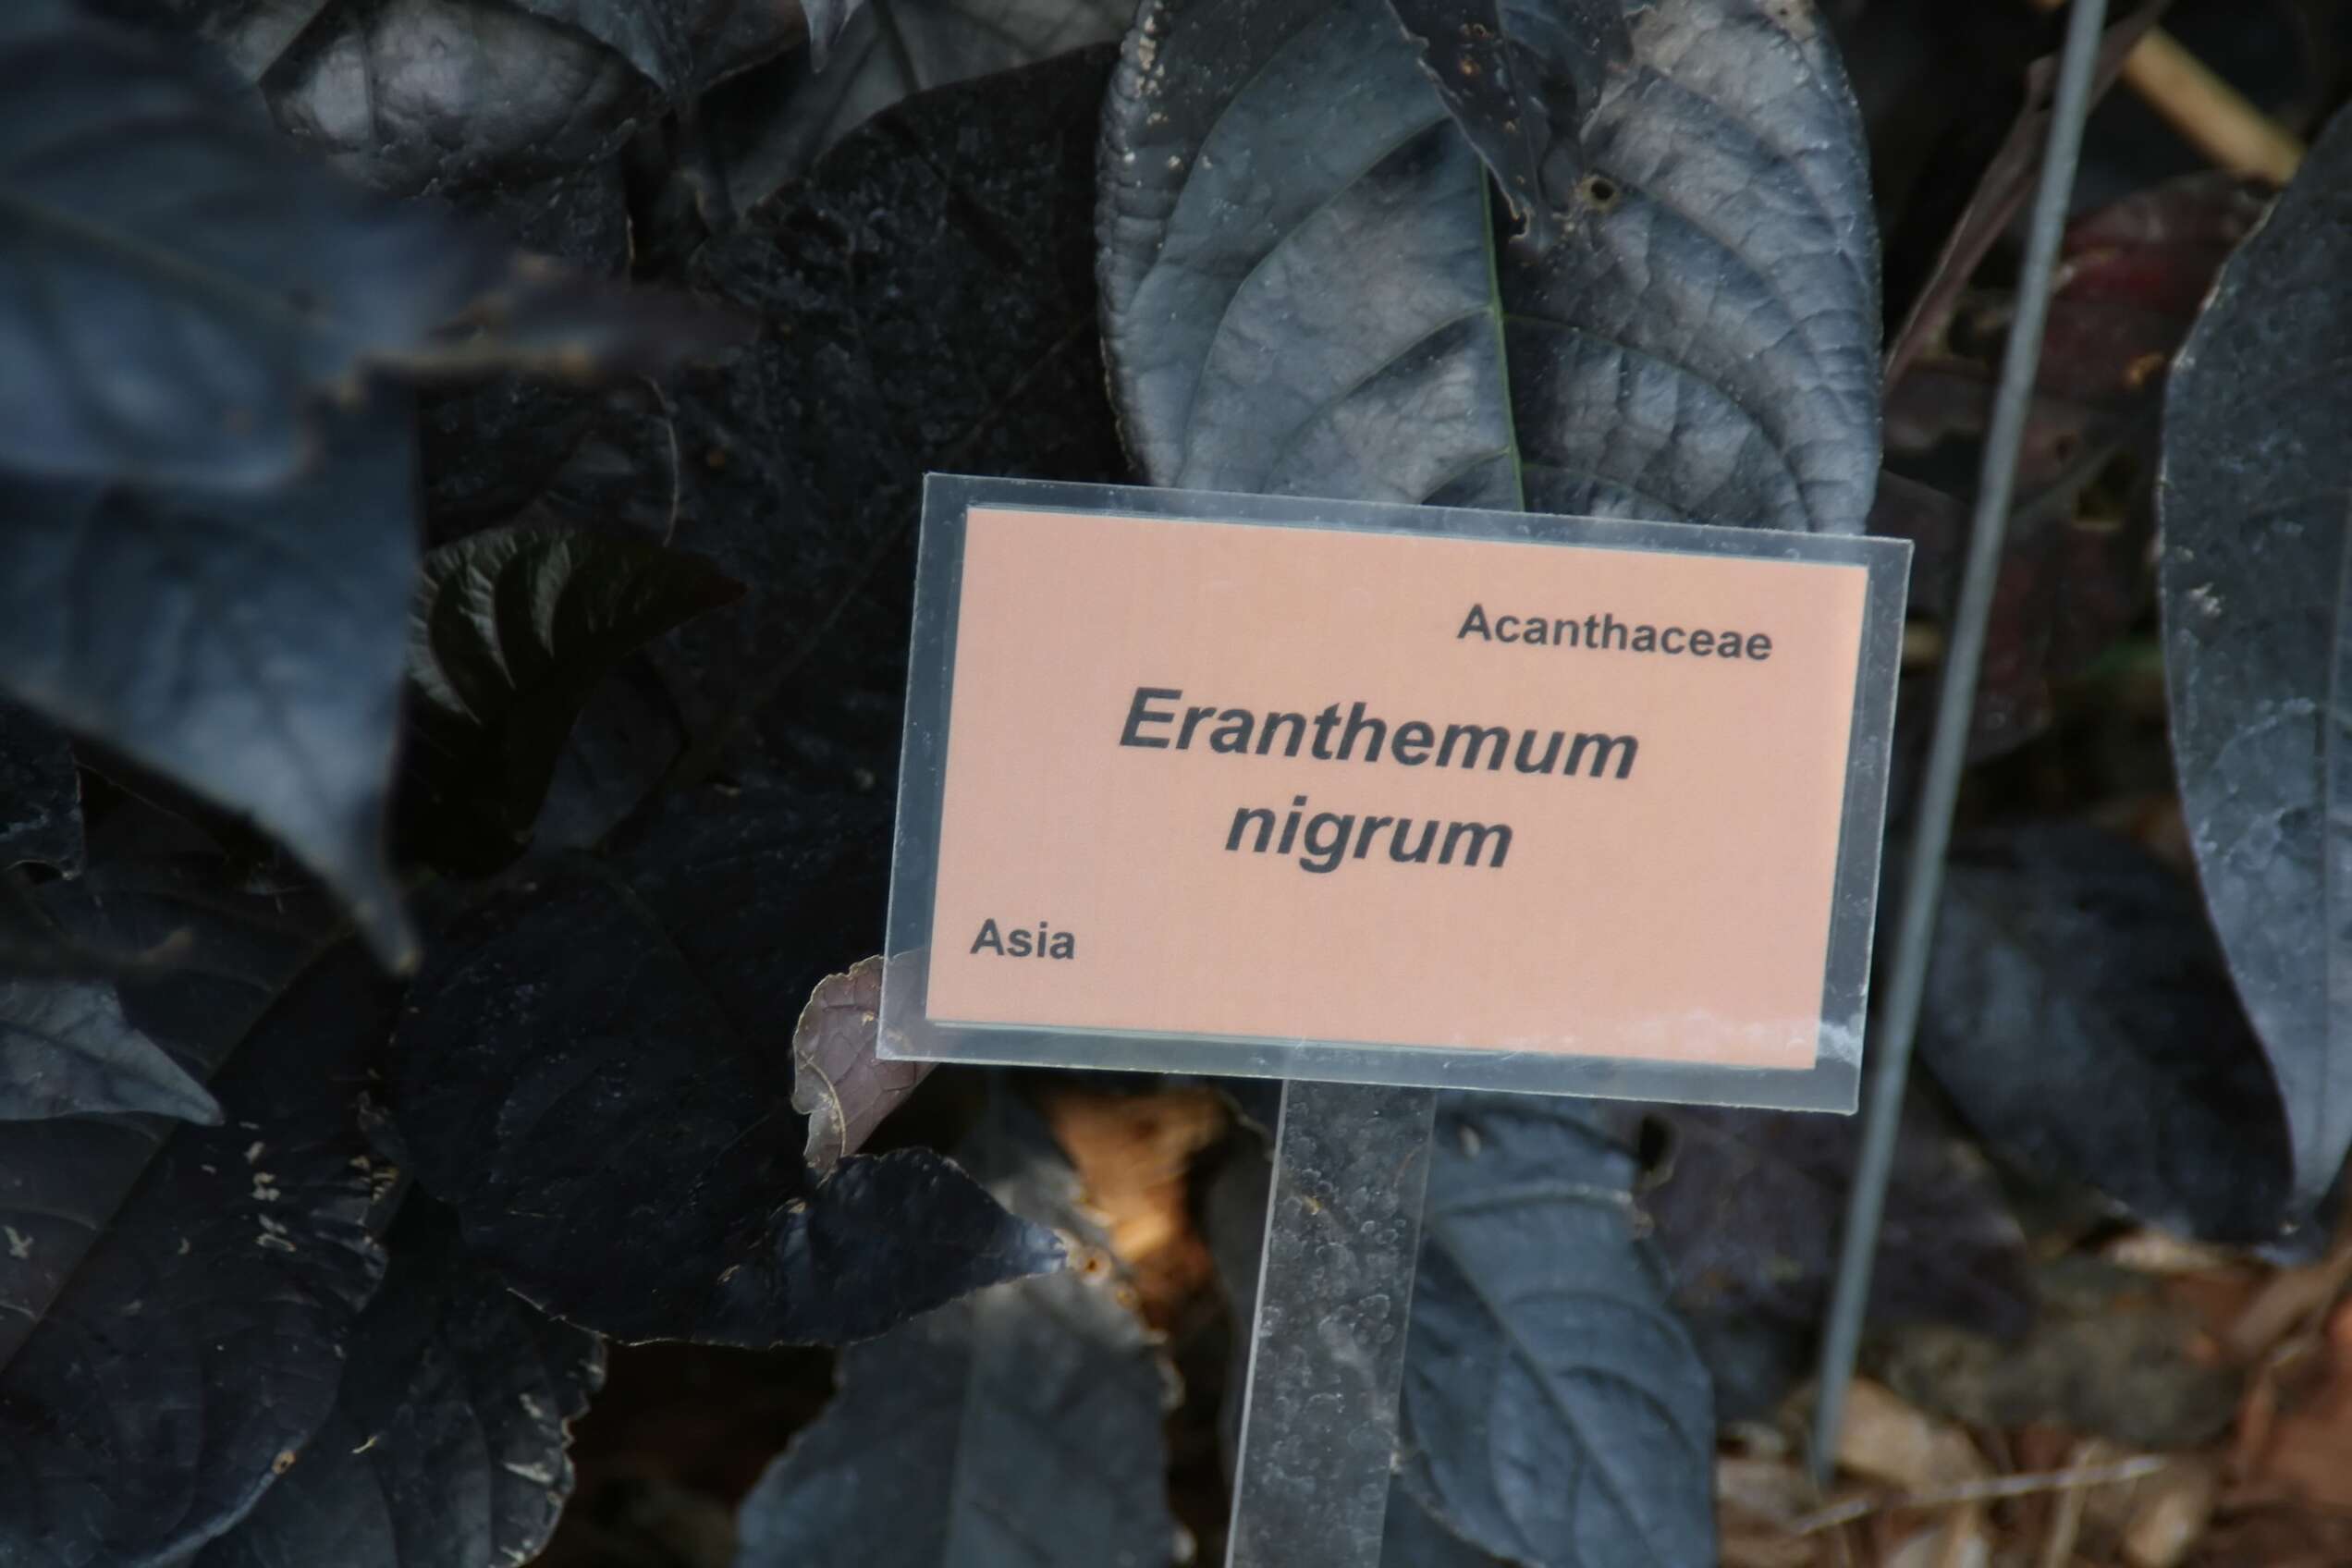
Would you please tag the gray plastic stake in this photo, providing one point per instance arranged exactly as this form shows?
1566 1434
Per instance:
1327 1353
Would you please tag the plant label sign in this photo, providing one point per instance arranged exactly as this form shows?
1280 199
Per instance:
1390 794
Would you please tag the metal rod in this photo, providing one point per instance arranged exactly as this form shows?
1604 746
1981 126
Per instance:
1955 707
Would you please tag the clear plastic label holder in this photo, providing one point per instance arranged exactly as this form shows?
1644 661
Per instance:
1319 1437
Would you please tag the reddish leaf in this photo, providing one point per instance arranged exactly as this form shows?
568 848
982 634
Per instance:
2000 194
2076 562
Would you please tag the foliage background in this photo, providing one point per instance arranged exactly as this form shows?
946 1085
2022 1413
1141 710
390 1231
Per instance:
459 462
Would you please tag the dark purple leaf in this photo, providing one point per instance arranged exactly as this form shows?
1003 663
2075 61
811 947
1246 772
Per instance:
593 1072
439 95
222 280
487 448
178 1299
1750 1208
1643 366
771 125
2255 495
925 301
247 646
2072 575
65 1049
2080 1017
1555 1410
514 630
446 1448
1412 1537
40 795
2133 277
621 748
683 46
1020 1427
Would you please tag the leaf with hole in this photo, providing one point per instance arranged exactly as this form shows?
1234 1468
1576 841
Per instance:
446 1448
1303 291
175 1300
2254 499
513 631
1554 1411
1517 78
594 1070
1019 1426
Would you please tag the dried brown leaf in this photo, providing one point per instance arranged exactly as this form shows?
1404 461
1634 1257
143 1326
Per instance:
1887 1439
837 1082
1134 1153
2171 1515
2308 1455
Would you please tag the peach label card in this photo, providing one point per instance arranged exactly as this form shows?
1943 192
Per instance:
1323 789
